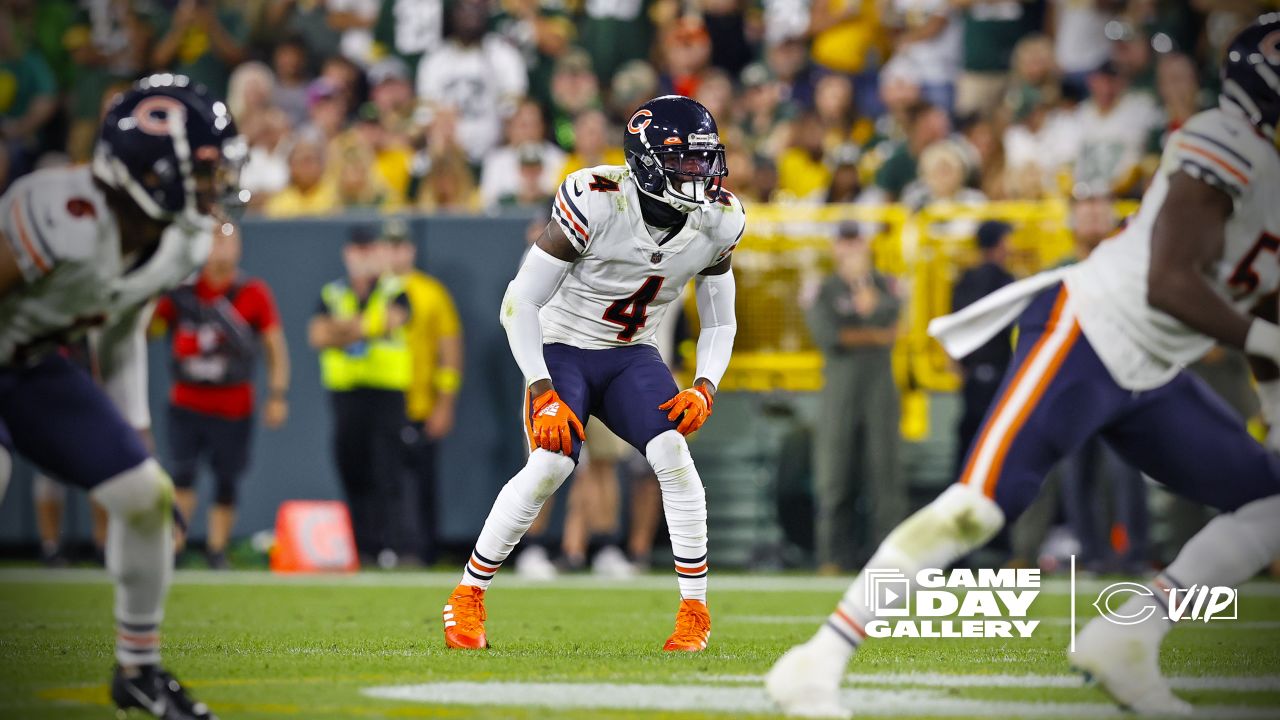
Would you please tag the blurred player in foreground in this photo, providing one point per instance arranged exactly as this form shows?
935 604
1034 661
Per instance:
581 316
88 246
1101 351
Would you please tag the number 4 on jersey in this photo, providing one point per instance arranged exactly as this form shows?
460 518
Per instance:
632 312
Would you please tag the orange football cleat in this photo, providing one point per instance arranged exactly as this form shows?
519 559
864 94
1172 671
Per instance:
693 628
464 619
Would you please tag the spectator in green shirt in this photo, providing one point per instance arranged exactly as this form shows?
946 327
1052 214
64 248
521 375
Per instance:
991 29
202 39
28 101
927 124
410 29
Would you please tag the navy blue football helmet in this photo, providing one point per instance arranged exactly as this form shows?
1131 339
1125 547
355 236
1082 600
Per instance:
173 149
673 149
1251 74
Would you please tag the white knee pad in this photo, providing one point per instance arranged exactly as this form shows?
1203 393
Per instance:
542 475
956 522
46 489
141 493
668 455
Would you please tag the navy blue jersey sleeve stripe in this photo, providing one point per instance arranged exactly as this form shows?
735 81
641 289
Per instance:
568 199
1221 146
577 240
1209 176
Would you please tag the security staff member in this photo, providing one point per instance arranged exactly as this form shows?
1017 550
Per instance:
983 369
859 491
359 327
435 345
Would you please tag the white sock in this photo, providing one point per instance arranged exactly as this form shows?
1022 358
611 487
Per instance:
139 557
1232 548
959 520
513 512
685 504
1229 550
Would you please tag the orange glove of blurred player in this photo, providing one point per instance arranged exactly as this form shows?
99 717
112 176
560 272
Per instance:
551 423
694 403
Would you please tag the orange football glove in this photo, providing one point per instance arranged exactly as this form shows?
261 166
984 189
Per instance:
694 403
551 422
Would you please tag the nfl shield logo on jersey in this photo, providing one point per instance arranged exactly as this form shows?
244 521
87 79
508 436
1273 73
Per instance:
655 258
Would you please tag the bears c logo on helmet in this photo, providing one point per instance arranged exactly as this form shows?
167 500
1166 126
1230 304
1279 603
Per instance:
153 114
1270 47
634 127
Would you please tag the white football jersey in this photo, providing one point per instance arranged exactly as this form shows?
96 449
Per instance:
67 244
1141 346
618 290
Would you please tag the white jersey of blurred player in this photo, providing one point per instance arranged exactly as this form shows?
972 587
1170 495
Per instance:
1141 346
67 244
621 255
1101 352
84 248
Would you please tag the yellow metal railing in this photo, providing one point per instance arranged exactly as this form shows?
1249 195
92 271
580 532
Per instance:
786 252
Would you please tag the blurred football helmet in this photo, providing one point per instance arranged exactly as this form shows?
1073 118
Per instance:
1251 74
173 149
673 149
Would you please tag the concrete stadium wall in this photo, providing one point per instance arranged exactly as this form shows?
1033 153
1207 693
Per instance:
475 258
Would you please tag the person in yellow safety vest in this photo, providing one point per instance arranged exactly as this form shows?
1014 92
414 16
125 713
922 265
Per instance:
359 327
435 344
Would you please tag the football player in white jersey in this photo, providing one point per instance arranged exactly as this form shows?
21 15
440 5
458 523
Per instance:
1101 351
581 315
86 247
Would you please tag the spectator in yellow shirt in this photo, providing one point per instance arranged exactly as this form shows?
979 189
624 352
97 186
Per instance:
435 342
847 39
802 173
309 192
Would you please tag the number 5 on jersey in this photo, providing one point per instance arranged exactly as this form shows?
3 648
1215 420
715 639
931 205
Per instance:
632 312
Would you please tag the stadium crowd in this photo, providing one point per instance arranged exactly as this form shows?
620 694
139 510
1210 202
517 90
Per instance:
479 105
474 105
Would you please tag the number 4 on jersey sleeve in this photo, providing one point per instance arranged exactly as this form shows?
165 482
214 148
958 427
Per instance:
632 312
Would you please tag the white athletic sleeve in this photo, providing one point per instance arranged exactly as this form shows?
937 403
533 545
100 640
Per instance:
534 285
715 298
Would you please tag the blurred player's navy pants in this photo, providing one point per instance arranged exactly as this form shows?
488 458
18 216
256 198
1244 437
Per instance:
54 415
622 386
1057 394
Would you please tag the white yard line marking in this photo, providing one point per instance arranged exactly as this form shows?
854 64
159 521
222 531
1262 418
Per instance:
1058 621
724 582
1259 683
742 701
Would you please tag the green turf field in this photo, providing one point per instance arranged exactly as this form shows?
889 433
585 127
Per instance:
256 646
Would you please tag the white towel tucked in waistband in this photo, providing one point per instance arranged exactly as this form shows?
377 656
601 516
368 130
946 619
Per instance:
963 332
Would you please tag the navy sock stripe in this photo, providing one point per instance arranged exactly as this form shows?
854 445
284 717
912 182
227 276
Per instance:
137 628
485 560
477 575
695 561
852 642
692 577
